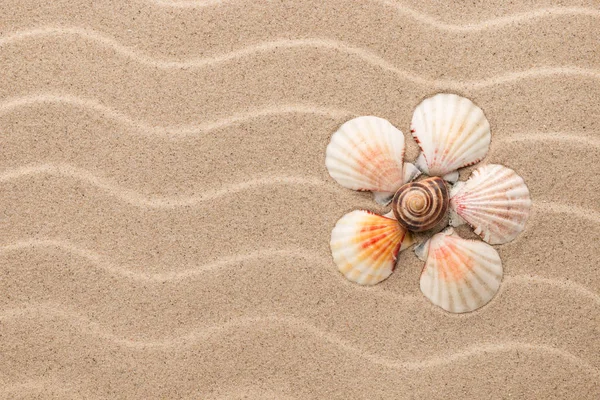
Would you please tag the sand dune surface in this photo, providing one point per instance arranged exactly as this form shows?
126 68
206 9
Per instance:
166 211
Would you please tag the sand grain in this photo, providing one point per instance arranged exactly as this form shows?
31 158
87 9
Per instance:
165 209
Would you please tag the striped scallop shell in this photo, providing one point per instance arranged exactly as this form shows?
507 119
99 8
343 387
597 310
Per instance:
460 275
419 206
365 245
452 133
495 201
366 153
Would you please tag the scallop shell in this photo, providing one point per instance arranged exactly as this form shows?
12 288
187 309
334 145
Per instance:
460 275
365 245
410 173
366 153
495 201
452 133
420 206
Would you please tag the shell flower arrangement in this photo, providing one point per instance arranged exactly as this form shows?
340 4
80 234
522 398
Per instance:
367 154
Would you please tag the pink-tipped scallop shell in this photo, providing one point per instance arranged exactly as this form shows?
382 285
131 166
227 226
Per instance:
452 133
460 275
494 201
365 246
367 153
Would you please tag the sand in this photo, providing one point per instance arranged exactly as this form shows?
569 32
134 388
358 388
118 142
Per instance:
165 210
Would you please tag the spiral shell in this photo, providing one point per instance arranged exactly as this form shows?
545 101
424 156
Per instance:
419 206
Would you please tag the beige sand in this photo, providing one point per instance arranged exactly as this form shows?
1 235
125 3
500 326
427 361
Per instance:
165 209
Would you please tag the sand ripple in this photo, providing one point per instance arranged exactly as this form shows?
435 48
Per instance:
166 209
102 263
476 350
365 55
433 21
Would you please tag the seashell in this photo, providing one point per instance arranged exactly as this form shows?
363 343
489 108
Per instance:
455 219
365 245
366 153
460 275
452 133
410 173
421 250
494 201
419 206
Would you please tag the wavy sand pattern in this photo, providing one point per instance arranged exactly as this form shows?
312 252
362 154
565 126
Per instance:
166 211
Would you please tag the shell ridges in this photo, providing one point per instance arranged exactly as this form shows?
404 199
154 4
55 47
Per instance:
365 245
460 275
495 201
452 133
367 153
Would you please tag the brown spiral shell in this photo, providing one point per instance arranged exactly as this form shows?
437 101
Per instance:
419 206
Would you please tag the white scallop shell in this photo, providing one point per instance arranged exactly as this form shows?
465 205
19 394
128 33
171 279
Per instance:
452 133
494 201
365 245
460 275
410 172
367 153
